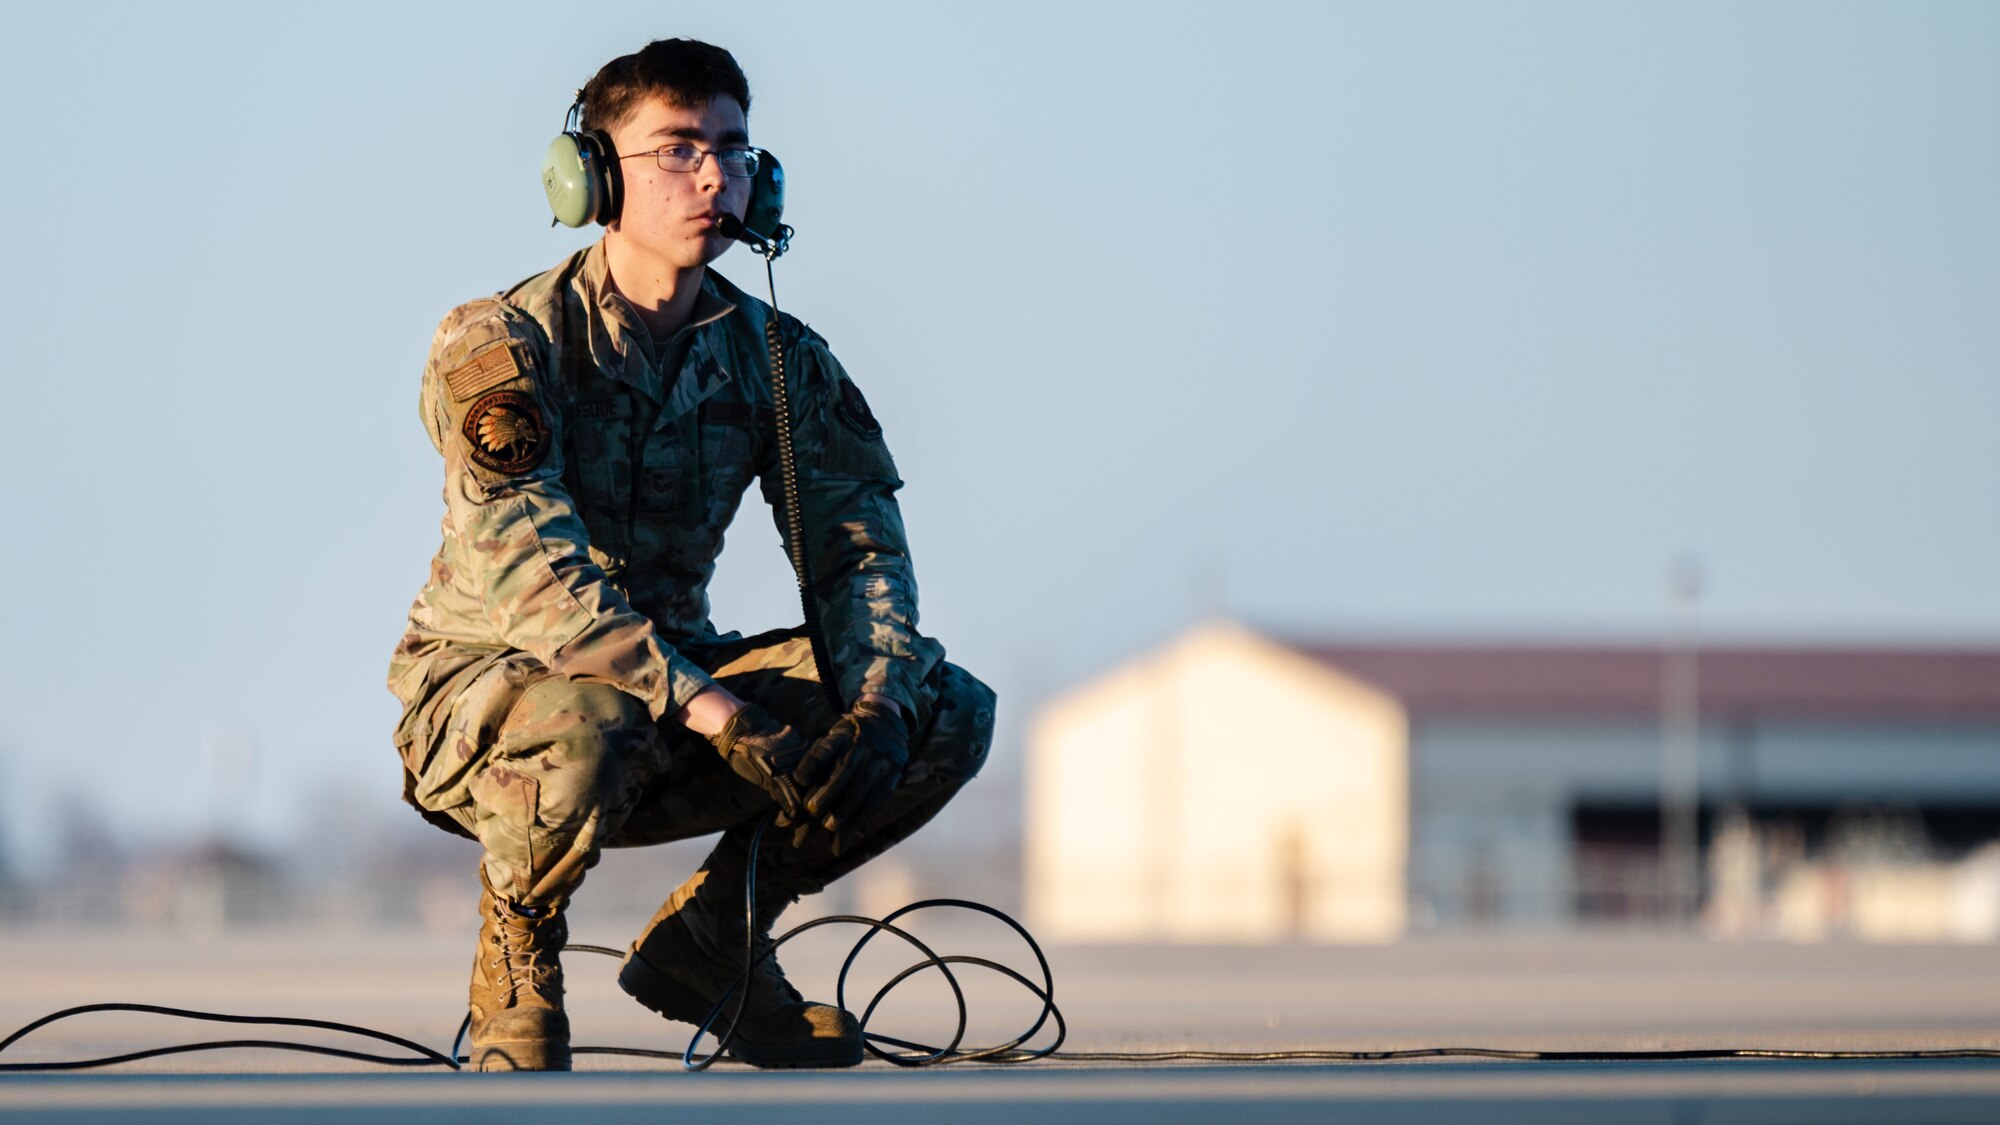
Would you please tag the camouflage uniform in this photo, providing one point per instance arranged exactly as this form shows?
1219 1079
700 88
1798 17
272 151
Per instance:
588 480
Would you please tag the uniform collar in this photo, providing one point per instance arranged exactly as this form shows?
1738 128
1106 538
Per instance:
615 332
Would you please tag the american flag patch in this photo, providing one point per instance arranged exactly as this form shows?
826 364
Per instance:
486 370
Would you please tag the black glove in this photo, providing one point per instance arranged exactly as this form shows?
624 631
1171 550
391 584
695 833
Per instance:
764 752
850 773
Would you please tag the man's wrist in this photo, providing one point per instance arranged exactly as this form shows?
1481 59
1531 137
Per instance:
712 707
709 711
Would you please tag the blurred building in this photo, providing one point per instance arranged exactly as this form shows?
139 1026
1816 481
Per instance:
1233 786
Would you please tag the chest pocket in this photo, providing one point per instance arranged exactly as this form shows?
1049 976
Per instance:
600 444
692 475
729 450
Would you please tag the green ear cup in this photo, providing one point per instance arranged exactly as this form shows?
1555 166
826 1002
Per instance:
568 181
581 178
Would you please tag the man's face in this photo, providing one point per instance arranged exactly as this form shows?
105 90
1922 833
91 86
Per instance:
672 215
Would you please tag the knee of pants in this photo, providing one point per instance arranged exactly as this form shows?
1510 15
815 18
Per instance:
586 748
954 746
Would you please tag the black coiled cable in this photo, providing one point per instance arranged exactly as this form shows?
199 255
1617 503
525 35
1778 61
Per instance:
919 1054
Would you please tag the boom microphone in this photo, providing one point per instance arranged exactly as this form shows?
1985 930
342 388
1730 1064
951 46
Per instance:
729 226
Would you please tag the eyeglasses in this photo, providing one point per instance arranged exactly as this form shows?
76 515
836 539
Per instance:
738 162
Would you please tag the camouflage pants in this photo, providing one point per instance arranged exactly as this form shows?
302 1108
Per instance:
544 771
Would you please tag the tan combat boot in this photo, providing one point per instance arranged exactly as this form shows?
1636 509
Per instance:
692 951
517 986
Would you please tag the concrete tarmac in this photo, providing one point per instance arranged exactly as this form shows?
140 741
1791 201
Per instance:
1819 1093
1589 992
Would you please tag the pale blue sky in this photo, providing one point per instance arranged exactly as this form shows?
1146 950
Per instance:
1401 317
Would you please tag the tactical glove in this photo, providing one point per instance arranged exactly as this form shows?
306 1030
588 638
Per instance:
764 752
850 773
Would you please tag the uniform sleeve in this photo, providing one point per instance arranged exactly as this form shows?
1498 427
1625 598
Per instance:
860 556
489 402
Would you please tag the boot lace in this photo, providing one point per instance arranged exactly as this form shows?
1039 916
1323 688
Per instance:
769 977
526 948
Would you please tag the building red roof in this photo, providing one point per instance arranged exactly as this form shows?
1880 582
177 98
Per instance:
1843 683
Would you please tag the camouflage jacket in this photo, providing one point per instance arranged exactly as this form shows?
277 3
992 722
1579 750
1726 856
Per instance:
586 494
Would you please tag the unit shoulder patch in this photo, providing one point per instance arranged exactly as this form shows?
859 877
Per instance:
506 433
490 368
854 411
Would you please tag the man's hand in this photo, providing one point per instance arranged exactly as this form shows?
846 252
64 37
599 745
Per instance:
850 773
766 753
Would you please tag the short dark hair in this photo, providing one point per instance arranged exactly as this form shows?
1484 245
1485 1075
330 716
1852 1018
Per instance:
686 72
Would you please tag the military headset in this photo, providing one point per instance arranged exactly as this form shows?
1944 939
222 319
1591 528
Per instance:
580 174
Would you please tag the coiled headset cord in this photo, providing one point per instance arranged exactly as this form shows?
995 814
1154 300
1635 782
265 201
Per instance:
788 475
901 1052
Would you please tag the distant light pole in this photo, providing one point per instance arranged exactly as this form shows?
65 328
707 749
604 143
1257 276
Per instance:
1680 747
